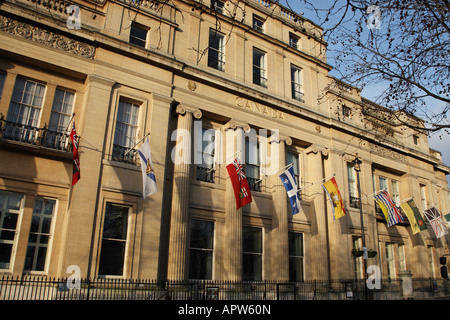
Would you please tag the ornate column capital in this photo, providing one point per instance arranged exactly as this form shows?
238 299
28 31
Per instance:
316 149
277 138
183 109
234 124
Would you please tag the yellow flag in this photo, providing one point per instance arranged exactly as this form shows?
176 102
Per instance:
335 198
411 211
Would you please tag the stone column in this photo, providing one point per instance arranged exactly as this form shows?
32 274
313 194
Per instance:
406 287
319 232
233 217
280 239
179 222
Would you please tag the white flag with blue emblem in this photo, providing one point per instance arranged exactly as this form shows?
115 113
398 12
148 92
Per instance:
288 179
148 175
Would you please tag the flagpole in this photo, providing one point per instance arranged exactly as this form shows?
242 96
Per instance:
268 175
129 150
313 183
70 121
219 164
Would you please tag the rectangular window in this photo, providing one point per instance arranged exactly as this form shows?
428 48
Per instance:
293 41
258 24
216 51
383 183
294 158
259 68
252 164
114 239
252 254
296 83
24 111
390 260
353 190
395 193
201 250
401 257
40 235
206 147
138 35
423 196
217 6
346 112
126 132
295 256
61 110
10 207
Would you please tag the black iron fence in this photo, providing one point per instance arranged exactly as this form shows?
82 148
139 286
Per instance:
43 288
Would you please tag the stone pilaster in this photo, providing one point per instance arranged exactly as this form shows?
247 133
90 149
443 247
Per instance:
179 222
280 240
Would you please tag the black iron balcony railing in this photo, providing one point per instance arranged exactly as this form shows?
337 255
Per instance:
354 202
124 154
205 174
254 184
31 135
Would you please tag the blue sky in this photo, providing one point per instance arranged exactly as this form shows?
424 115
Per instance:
438 141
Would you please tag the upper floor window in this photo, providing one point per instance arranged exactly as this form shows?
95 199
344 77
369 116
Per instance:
296 83
61 110
259 68
253 164
395 193
346 112
205 154
423 196
138 35
126 131
216 51
217 5
258 23
293 41
352 188
26 102
416 139
294 158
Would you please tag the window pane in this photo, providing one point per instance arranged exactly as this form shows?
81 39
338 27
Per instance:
138 35
201 249
2 81
61 111
10 204
202 234
252 238
252 267
112 253
26 102
200 264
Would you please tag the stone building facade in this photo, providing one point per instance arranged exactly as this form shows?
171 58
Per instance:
206 81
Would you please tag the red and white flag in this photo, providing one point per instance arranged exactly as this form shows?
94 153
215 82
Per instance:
76 159
240 184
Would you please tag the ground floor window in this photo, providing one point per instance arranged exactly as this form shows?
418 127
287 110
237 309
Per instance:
295 256
201 249
252 254
114 239
10 207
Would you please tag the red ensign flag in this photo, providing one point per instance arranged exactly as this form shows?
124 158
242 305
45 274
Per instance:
240 184
76 159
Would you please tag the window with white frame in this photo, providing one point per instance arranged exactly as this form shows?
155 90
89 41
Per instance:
253 163
401 257
296 83
201 249
216 50
352 188
395 193
205 154
125 133
293 41
258 23
114 240
383 183
138 35
259 68
61 110
294 158
24 110
390 260
423 196
217 5
252 253
11 205
295 256
40 237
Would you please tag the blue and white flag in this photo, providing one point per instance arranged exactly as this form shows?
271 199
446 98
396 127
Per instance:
288 179
148 176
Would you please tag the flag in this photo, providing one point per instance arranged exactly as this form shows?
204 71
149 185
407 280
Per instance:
335 198
288 179
390 210
415 219
76 158
240 184
436 221
148 176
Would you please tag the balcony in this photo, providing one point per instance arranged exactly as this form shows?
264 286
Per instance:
124 154
354 202
33 136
